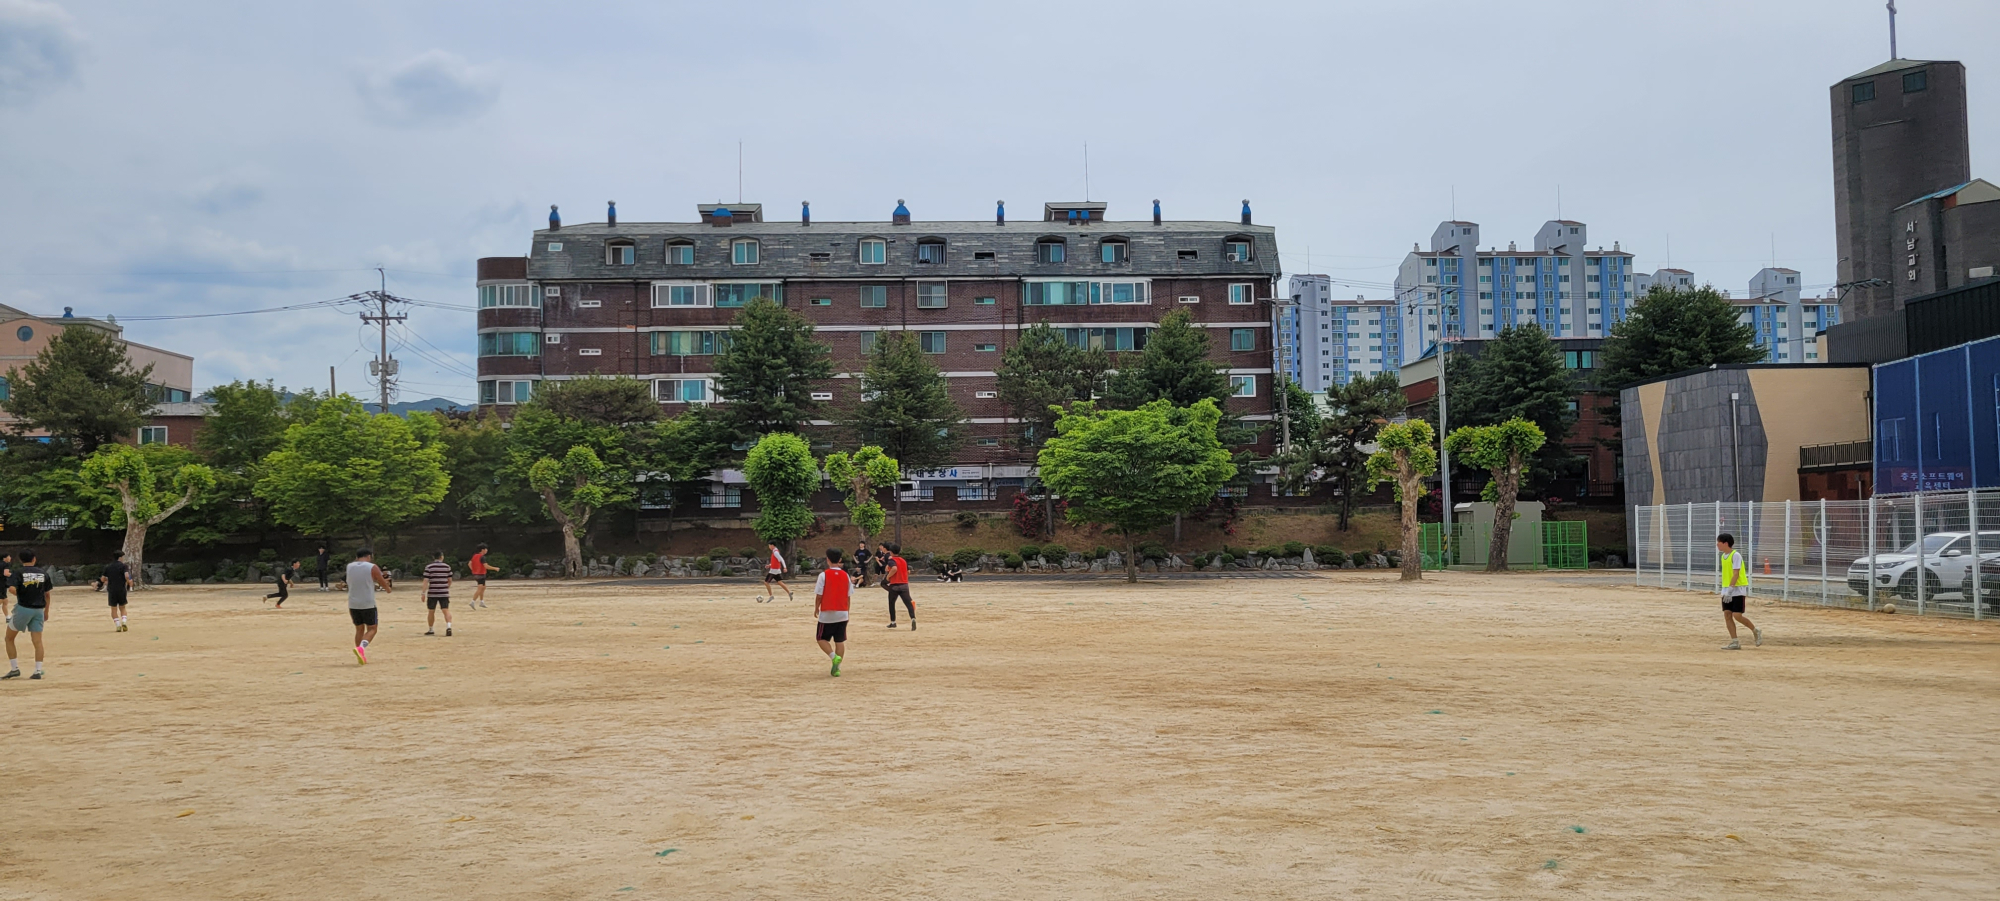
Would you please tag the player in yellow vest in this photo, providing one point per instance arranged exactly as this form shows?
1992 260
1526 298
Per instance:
1734 578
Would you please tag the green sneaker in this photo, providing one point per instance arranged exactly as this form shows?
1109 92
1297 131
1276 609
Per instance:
836 664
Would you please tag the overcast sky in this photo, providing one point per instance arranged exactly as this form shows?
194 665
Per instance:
194 157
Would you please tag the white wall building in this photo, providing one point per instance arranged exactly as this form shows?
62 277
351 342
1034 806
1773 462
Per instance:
1323 342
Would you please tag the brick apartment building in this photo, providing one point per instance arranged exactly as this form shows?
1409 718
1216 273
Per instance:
648 300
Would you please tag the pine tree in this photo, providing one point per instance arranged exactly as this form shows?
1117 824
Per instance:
1174 367
1042 373
1671 331
1518 375
906 409
767 373
81 390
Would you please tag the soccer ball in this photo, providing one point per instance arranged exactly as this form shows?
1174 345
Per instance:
1889 608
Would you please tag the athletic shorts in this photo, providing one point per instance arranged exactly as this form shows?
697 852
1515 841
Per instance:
479 579
833 631
363 616
777 574
1732 605
437 603
29 619
116 599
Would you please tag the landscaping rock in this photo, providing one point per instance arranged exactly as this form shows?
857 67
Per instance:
1097 566
1113 560
1149 567
1347 564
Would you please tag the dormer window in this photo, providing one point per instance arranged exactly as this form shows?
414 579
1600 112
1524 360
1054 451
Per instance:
874 251
620 253
1236 250
743 252
930 251
1112 250
680 253
1051 250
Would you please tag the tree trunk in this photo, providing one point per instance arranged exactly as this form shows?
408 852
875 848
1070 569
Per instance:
1506 484
1177 531
1131 562
135 548
1413 564
1346 501
1048 514
572 553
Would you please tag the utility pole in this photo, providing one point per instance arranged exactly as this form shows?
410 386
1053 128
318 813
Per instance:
1444 456
384 367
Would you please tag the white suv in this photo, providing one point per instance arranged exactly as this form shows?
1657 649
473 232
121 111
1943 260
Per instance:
1947 559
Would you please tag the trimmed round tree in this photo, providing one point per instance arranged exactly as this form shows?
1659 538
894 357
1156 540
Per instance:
1502 450
1407 456
861 474
1135 470
152 483
781 471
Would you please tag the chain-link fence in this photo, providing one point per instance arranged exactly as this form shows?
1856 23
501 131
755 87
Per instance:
1920 552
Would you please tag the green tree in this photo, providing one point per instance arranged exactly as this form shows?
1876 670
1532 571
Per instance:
1336 453
1040 375
610 416
1407 455
574 488
151 484
906 410
862 474
1135 470
1518 375
781 471
476 455
40 484
604 400
767 373
246 423
346 470
1301 413
1174 367
1503 450
1671 331
81 390
677 456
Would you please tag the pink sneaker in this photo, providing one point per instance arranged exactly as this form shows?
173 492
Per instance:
361 654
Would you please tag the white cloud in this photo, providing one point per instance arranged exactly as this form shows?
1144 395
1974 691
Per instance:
39 46
433 88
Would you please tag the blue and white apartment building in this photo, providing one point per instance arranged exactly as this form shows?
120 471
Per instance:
1458 290
1324 342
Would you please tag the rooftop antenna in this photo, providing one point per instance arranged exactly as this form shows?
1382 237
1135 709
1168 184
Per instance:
1454 203
1892 30
1086 172
1559 201
739 172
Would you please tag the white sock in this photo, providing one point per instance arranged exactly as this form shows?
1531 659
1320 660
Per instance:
364 642
38 666
13 663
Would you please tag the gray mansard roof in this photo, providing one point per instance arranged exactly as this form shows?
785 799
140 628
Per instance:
785 250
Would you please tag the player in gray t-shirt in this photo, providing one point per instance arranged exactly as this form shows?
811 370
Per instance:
363 577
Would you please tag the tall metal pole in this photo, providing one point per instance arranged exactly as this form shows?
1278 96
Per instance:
1444 456
384 366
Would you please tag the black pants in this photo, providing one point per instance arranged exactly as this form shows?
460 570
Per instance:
281 594
902 591
322 578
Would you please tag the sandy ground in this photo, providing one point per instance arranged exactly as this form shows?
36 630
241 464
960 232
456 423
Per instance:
1340 736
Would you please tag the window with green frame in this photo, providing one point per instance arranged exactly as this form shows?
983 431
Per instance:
874 296
1242 339
689 344
510 344
736 295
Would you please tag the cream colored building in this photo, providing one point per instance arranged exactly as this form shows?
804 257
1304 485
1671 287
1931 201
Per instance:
23 335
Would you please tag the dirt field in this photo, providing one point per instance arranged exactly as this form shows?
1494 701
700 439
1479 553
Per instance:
1315 737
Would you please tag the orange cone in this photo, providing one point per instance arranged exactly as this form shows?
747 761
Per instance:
1767 566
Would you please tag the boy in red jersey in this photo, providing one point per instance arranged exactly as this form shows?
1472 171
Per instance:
774 571
830 596
896 581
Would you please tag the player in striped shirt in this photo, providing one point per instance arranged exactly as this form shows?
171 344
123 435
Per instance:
437 593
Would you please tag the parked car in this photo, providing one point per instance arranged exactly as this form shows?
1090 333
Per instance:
1989 576
1947 561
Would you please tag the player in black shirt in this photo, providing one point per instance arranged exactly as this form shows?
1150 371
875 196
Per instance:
116 582
30 587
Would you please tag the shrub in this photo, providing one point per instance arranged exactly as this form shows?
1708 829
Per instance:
1100 552
1029 551
1269 550
966 519
1228 559
1294 548
718 553
1055 552
966 556
652 559
1227 550
89 572
750 553
702 562
1198 559
190 571
1153 550
1328 555
1013 561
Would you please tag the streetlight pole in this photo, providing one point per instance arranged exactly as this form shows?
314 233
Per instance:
1444 456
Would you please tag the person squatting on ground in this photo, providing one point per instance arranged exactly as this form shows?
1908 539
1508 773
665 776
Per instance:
30 586
116 583
774 573
896 581
363 578
437 594
857 566
1735 588
830 598
284 581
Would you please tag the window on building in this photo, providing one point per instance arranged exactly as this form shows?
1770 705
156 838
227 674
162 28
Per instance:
1580 359
874 251
680 253
930 252
822 301
1114 339
931 342
1242 386
868 341
1916 81
874 295
1864 92
982 256
6 388
738 294
1242 339
1037 294
510 344
1118 292
689 344
743 251
505 391
1187 254
1236 251
509 296
982 301
986 348
667 294
681 391
1051 250
153 434
620 253
1242 293
930 295
1112 251
987 442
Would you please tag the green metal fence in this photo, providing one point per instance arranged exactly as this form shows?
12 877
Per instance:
1565 545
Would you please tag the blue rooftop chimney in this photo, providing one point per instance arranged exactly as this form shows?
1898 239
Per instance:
1083 217
1246 212
1072 217
901 216
555 221
805 213
999 212
1156 212
611 212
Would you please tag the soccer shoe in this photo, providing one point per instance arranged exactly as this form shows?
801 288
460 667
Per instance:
37 675
361 655
447 631
1757 637
836 664
1732 646
913 624
12 674
430 631
892 625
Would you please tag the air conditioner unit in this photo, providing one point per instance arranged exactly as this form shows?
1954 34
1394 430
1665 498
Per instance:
1234 257
552 292
552 339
